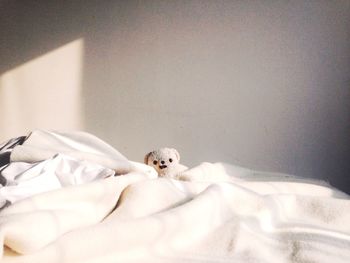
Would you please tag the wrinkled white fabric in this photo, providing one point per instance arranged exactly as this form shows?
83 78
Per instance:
25 179
214 216
41 145
31 224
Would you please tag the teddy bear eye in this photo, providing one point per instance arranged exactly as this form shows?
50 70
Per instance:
170 160
155 162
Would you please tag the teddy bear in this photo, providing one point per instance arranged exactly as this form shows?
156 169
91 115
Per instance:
166 162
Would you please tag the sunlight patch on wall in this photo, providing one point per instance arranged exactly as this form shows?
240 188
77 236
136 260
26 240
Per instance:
44 93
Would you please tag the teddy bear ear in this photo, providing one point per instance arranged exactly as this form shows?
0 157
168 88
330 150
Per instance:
146 157
177 154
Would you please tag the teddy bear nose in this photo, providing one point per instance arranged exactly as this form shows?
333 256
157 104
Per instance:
162 162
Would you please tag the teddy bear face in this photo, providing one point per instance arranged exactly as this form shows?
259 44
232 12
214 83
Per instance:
163 160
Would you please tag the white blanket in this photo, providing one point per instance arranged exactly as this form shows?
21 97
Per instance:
27 179
50 160
221 213
41 145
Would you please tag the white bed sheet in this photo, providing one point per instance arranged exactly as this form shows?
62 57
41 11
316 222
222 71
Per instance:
215 213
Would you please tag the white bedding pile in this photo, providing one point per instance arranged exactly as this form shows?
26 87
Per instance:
221 213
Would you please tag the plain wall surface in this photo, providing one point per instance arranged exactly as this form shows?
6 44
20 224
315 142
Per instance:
262 84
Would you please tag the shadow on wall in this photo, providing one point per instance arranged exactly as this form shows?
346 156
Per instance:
41 66
264 85
44 92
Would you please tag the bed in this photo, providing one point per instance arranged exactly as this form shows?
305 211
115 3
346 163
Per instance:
71 197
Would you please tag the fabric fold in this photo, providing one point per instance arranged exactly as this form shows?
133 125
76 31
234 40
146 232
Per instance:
41 145
31 224
26 179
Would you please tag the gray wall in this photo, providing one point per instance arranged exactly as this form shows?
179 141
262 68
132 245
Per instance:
263 84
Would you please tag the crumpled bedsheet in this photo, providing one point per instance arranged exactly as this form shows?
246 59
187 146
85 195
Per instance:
26 179
48 160
214 213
